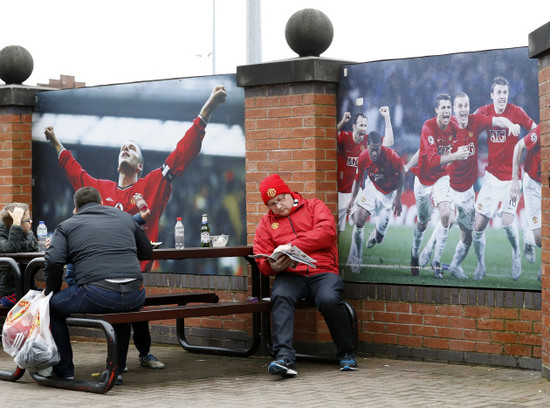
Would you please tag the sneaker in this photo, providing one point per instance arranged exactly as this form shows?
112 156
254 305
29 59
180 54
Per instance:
348 363
480 271
457 272
516 266
426 255
414 265
150 361
529 252
283 367
372 239
438 270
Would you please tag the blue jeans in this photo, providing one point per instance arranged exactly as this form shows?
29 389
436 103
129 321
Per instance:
326 291
90 299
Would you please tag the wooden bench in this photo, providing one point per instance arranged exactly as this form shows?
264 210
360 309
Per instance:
161 307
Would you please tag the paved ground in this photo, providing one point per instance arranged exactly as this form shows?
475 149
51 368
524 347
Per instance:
197 380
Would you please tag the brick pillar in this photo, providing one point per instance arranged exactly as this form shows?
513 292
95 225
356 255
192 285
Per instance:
16 103
539 47
290 129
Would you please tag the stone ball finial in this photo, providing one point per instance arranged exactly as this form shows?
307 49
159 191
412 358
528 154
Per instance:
309 32
16 64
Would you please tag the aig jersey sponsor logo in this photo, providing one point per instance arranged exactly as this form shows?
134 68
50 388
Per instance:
498 135
352 161
443 150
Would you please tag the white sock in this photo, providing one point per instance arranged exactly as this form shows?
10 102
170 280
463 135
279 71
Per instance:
356 250
512 235
529 237
441 240
432 242
417 240
461 251
479 245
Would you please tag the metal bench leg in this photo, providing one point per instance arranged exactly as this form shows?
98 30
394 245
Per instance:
98 387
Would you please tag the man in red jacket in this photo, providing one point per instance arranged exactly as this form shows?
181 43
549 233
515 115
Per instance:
308 225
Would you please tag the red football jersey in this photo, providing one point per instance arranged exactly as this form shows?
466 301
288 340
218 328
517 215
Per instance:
348 154
500 143
464 173
155 187
532 158
434 143
384 173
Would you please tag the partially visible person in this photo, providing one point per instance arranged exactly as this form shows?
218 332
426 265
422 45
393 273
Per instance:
156 186
377 187
141 333
309 225
532 235
105 246
15 236
462 176
350 145
494 196
431 184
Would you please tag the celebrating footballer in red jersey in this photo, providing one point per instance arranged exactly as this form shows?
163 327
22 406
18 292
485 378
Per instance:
156 186
494 195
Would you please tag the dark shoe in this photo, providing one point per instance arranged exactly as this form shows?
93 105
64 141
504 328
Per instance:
438 270
283 367
414 265
348 363
150 361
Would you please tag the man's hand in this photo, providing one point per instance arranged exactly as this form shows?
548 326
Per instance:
384 111
17 215
50 137
281 264
514 190
218 95
397 207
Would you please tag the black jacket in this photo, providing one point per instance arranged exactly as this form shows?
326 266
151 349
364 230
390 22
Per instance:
13 240
102 242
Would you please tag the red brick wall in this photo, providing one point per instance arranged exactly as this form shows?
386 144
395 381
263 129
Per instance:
15 155
290 130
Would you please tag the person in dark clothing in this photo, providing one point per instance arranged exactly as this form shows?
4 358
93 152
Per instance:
104 244
15 236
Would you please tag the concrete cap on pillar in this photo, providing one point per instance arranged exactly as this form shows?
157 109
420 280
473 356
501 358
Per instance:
309 32
16 64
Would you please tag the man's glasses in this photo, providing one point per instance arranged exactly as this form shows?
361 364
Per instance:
276 202
25 221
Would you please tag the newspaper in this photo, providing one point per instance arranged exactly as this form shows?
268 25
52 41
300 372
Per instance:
293 252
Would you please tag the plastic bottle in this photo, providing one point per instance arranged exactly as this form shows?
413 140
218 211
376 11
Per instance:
42 235
205 232
179 234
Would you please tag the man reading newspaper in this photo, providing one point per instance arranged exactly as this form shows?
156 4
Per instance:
295 222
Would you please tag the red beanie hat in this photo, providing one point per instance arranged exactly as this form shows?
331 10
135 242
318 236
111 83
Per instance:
272 186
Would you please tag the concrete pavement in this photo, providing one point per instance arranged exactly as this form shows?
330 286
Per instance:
200 380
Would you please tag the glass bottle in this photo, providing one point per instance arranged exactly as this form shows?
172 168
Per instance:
205 232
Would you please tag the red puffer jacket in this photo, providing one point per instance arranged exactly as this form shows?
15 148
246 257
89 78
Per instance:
310 227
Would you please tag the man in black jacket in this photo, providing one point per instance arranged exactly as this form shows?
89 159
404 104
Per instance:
104 245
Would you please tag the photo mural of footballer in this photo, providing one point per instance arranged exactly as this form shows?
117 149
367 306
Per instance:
155 187
460 168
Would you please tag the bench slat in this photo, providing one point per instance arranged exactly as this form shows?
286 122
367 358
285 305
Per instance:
179 312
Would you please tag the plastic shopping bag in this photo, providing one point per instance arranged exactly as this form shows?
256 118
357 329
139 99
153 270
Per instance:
40 350
18 323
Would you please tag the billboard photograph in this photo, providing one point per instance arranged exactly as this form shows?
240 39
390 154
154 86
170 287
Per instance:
439 171
148 138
